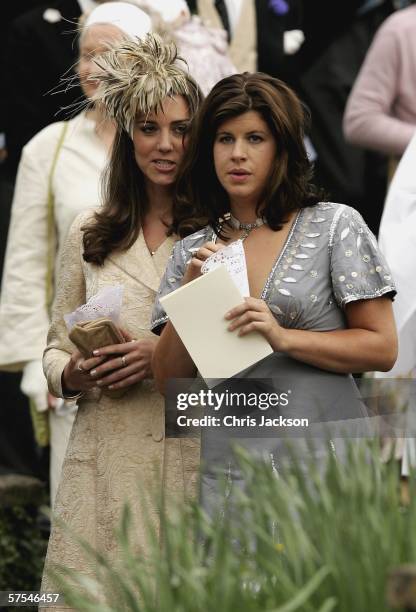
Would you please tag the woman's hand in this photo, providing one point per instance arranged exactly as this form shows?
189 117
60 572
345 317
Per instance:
125 364
193 269
76 375
255 315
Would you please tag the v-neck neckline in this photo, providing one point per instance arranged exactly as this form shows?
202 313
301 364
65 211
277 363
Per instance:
280 255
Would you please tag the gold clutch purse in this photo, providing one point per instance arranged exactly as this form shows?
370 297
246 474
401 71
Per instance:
90 335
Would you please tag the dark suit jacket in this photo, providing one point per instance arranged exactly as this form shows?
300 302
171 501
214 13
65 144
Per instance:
37 54
270 30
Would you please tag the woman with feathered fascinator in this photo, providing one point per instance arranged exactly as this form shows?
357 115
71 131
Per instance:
116 444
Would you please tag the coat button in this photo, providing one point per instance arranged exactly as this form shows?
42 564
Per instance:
158 436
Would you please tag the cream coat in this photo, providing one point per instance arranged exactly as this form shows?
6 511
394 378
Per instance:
116 446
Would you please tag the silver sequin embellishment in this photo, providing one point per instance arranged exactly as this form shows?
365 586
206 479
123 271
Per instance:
349 286
348 253
296 267
313 297
302 256
313 235
313 273
284 292
345 233
276 310
378 268
308 245
354 274
289 279
387 277
341 278
172 279
318 220
366 258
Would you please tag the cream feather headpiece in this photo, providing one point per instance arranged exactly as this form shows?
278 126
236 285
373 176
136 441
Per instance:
136 76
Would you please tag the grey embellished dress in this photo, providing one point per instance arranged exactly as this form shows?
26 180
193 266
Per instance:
330 258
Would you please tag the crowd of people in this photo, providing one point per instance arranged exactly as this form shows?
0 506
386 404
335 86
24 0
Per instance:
191 126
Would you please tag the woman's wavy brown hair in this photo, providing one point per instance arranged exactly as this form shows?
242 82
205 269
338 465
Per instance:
200 199
116 226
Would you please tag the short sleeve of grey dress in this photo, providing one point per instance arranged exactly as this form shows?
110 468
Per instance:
330 259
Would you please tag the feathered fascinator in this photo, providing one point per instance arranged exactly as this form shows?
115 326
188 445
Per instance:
136 76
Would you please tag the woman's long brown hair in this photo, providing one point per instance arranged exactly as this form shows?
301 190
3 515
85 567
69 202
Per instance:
116 225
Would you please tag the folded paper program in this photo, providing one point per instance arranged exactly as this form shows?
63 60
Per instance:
234 260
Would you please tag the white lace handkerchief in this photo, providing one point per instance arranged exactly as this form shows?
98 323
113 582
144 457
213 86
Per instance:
105 303
234 260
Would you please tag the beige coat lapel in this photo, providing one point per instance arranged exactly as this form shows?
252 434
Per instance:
243 47
139 264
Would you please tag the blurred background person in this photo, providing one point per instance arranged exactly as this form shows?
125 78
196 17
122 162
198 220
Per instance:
204 48
58 177
337 37
397 241
381 110
262 33
38 45
18 452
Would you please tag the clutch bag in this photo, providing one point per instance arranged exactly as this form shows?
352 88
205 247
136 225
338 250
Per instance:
91 335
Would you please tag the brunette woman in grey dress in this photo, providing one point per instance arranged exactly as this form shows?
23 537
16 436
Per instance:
320 290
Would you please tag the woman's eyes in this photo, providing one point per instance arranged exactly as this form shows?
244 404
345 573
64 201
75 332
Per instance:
252 138
179 129
225 139
147 129
255 138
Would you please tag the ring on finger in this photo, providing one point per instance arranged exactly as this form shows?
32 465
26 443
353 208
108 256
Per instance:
81 369
123 361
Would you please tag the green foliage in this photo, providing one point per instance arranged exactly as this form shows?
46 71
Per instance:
302 542
22 549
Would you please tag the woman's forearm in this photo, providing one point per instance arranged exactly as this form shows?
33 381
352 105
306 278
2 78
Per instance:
171 359
345 350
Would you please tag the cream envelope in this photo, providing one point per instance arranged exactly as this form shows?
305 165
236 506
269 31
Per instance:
197 312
